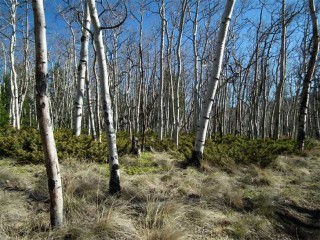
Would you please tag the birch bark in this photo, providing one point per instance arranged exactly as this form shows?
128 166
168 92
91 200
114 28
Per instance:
45 123
177 93
202 126
162 15
14 102
278 98
114 183
302 119
82 69
196 87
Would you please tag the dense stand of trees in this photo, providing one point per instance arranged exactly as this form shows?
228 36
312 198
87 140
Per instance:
146 66
159 63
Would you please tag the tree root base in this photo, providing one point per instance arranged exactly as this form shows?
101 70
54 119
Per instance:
195 159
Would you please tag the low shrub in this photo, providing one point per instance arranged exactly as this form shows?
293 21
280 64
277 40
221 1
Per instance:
25 145
247 151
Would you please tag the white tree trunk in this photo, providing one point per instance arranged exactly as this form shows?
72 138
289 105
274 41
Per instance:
82 69
114 184
283 60
177 100
196 88
97 95
212 85
13 74
171 113
45 123
26 79
90 108
162 15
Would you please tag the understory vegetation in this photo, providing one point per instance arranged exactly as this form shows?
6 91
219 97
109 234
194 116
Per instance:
25 146
246 189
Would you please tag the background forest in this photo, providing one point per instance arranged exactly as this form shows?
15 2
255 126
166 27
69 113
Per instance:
212 109
265 61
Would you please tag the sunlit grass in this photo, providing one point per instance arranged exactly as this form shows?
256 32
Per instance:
159 200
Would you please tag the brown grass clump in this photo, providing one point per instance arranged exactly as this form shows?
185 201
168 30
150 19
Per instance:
259 176
113 222
159 200
160 220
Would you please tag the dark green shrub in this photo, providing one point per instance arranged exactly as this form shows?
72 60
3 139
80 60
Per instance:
245 151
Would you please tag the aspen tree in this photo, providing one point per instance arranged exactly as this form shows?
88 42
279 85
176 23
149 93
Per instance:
202 126
97 94
171 85
177 93
45 122
114 183
25 83
161 108
283 64
82 70
196 89
14 101
90 108
303 110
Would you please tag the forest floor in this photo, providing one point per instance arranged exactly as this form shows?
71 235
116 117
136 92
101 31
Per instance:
162 200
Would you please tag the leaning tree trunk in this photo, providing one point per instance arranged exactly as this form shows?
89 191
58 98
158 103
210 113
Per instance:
45 123
302 119
82 68
202 126
114 184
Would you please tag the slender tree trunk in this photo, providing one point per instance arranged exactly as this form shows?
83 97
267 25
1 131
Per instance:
13 74
264 77
90 108
141 92
316 110
171 87
45 123
25 83
82 69
283 62
161 108
97 95
202 127
302 119
177 93
114 184
196 88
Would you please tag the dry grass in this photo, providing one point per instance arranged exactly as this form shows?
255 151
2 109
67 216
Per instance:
164 203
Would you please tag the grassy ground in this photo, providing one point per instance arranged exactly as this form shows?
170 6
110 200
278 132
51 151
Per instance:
161 200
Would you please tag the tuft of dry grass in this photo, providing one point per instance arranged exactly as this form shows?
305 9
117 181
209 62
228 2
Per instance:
160 220
113 221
